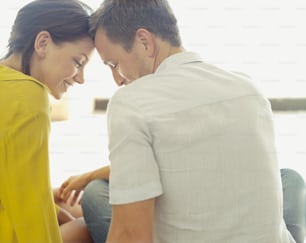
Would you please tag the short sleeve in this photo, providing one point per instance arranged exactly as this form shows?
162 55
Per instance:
134 173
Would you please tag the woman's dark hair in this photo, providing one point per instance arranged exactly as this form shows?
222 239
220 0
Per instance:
65 20
121 19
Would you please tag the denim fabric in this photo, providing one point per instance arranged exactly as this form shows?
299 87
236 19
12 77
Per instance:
294 203
96 209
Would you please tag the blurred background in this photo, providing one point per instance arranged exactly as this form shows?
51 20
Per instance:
266 40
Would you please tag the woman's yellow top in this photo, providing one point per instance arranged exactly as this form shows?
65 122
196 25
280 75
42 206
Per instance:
27 210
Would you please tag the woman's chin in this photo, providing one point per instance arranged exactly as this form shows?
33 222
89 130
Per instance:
57 96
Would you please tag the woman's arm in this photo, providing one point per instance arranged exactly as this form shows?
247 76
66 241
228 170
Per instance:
75 184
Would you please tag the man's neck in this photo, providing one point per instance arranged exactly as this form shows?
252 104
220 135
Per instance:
165 50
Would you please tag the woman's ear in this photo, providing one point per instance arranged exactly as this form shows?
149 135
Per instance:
42 41
146 40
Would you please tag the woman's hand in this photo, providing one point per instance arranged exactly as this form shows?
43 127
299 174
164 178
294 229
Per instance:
63 216
66 211
70 191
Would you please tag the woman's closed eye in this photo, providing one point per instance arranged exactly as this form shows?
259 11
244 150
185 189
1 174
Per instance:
77 64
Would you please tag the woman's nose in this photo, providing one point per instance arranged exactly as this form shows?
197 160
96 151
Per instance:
79 77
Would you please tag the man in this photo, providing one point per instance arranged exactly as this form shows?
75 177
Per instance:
191 146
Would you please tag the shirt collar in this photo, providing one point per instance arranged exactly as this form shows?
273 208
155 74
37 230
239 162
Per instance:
178 59
9 74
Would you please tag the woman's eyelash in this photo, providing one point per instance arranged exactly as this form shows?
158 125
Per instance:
78 64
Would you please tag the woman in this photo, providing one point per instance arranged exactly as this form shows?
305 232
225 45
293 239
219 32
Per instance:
47 51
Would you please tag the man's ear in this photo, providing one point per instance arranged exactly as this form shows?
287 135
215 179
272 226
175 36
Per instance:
146 39
42 41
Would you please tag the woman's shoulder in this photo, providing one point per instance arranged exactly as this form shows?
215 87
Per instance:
17 87
9 76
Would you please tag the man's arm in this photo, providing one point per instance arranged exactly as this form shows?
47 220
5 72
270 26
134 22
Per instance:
132 223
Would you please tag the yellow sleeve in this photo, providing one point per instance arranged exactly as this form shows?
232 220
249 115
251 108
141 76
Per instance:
57 209
27 195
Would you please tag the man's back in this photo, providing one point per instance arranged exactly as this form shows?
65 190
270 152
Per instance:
212 138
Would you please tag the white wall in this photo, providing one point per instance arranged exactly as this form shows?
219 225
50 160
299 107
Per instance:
264 39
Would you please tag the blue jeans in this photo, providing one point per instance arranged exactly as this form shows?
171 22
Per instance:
294 203
97 210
